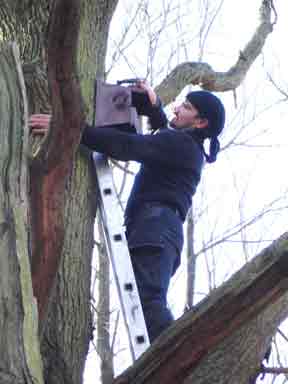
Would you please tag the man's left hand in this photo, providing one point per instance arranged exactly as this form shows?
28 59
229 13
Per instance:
39 123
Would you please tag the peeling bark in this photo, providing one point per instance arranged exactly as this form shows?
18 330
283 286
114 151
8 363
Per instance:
202 74
20 360
240 316
68 331
53 162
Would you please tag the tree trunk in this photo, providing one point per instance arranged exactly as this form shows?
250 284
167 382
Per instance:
94 29
191 260
103 312
20 360
69 329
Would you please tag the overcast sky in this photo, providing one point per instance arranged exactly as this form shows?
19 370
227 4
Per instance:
245 178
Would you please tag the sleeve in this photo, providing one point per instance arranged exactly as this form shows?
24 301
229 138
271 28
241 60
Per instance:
176 150
155 113
157 117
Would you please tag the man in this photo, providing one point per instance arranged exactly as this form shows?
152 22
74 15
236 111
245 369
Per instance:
171 163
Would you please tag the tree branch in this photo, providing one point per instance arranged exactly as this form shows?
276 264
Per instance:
274 370
202 74
251 299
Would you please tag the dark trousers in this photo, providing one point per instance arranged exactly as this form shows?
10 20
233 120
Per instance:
153 267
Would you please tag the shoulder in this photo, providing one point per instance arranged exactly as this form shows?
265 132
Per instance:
185 144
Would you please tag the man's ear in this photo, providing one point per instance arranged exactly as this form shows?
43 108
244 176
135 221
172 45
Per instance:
202 122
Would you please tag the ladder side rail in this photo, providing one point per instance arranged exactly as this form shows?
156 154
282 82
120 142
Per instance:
120 259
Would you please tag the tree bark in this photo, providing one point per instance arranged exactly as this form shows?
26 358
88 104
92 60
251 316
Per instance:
65 343
69 329
20 360
191 260
225 337
25 21
94 29
103 311
52 164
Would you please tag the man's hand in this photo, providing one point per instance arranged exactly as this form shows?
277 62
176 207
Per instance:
143 84
39 124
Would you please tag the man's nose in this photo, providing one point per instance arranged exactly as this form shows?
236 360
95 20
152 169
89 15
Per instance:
176 109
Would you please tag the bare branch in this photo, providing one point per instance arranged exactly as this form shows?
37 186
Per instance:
279 89
202 74
123 168
232 231
274 370
204 34
282 334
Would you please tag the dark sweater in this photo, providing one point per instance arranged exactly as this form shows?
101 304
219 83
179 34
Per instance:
171 161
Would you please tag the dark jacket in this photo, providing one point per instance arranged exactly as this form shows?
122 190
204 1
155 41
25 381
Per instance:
171 162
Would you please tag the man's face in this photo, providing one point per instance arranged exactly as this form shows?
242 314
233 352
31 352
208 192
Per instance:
187 116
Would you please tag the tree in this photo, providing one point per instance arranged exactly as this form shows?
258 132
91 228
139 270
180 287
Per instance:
42 247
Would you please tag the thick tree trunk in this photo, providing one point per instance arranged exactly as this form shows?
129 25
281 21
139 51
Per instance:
20 360
52 164
69 329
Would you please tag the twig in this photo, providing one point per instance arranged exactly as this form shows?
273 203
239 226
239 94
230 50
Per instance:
282 334
115 331
274 370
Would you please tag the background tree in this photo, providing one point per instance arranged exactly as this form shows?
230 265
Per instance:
223 245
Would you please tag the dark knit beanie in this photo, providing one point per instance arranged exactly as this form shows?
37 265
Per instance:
211 108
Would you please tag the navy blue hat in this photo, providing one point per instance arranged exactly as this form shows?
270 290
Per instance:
210 107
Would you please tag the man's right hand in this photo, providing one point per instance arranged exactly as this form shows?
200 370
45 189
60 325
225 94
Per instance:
39 124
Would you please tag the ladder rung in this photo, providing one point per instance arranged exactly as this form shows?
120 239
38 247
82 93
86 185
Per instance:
128 287
140 339
107 191
117 237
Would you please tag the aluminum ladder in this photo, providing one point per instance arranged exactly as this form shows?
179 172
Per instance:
117 249
105 98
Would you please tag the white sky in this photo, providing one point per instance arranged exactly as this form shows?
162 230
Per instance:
249 177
